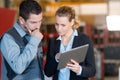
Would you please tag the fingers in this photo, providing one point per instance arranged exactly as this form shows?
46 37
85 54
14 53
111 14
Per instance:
35 29
58 55
29 31
74 62
36 32
74 66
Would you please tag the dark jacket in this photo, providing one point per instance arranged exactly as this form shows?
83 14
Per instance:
88 66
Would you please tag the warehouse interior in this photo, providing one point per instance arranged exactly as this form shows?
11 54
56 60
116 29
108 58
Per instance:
94 16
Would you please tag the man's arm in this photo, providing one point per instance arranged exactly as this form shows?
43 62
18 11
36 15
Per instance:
11 52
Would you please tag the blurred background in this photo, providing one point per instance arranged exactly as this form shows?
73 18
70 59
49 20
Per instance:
100 19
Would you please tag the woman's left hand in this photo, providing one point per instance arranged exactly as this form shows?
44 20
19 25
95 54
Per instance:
74 66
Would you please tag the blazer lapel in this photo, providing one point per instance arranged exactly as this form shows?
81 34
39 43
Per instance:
57 46
76 41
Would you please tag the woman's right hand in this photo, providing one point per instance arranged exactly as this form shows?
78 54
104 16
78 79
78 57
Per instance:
57 56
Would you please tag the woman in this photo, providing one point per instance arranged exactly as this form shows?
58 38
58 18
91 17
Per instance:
69 37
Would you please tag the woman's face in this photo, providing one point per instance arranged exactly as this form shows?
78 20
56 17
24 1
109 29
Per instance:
63 25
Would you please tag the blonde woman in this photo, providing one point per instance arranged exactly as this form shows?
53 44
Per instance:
66 26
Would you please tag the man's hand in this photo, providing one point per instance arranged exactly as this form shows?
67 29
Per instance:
36 32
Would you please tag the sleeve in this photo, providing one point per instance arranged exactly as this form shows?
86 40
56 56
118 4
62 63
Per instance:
88 66
18 60
51 64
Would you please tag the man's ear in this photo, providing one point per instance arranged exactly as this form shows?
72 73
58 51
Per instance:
21 20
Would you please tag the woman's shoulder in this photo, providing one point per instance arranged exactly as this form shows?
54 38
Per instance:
82 35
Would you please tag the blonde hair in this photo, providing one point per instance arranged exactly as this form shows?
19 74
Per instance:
66 11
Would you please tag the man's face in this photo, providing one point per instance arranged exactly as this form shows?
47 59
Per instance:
33 22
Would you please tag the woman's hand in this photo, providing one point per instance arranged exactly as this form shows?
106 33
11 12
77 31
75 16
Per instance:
57 56
74 66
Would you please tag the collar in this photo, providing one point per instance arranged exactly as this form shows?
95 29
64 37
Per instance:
75 33
19 29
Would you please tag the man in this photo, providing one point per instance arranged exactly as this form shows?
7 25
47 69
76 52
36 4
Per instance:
21 54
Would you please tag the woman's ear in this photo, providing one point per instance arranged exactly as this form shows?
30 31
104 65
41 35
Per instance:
72 22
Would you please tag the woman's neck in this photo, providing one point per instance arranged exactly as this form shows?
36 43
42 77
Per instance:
66 38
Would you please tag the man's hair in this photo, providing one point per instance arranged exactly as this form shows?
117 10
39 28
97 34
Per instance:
29 6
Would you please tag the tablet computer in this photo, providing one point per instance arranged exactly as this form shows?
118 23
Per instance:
78 54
